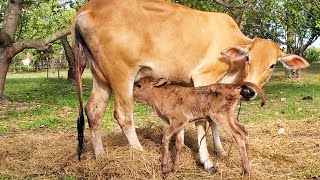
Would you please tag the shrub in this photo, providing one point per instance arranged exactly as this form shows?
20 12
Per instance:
312 55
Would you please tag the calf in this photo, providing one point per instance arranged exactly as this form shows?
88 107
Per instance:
179 106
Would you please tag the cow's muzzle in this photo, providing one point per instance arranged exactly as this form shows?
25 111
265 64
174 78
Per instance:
248 93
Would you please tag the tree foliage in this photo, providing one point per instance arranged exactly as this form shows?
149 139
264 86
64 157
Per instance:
313 55
30 24
293 23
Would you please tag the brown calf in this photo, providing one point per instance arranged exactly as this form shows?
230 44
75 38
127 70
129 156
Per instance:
179 106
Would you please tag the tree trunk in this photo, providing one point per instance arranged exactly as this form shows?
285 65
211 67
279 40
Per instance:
69 58
290 46
3 74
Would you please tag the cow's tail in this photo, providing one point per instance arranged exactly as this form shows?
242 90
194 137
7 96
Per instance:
78 44
256 89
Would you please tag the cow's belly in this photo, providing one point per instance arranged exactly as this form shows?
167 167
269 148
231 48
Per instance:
175 73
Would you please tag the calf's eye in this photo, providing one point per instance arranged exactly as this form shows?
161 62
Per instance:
138 86
272 66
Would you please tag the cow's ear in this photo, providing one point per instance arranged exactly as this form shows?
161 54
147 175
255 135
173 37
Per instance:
161 82
236 52
291 61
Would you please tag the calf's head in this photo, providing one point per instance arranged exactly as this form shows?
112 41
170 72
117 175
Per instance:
142 90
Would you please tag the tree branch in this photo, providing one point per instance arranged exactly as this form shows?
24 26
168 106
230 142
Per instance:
40 44
309 42
12 18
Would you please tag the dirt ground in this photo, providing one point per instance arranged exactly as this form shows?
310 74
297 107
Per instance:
292 154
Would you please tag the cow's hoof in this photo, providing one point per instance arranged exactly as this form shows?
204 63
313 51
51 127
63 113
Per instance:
137 147
99 153
212 170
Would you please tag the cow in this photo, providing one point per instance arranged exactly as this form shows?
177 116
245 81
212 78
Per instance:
125 40
179 106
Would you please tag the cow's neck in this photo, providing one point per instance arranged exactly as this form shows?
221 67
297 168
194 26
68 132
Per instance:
235 72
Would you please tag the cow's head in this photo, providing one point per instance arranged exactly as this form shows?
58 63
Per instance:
261 56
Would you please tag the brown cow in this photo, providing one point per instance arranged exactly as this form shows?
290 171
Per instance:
179 106
126 40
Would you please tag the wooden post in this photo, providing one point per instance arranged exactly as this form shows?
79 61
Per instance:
47 60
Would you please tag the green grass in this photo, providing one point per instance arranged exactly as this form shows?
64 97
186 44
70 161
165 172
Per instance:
47 104
52 104
284 98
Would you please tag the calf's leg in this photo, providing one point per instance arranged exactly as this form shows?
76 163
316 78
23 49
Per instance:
165 149
179 146
239 134
174 127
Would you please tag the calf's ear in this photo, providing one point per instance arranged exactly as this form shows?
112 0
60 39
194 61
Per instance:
291 61
161 82
236 52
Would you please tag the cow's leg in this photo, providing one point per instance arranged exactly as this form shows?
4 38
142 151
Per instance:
203 150
238 132
123 109
179 146
95 109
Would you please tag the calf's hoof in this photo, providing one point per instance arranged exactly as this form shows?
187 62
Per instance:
222 154
165 170
174 169
245 173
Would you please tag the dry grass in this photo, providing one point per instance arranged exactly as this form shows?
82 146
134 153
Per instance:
292 155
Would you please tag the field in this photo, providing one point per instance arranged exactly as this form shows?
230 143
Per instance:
38 134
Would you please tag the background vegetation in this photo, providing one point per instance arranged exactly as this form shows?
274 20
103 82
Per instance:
40 112
256 18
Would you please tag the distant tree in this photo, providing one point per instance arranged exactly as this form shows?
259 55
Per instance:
11 44
294 24
235 9
70 59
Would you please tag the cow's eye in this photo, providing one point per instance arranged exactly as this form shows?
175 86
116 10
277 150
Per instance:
138 86
272 66
247 58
